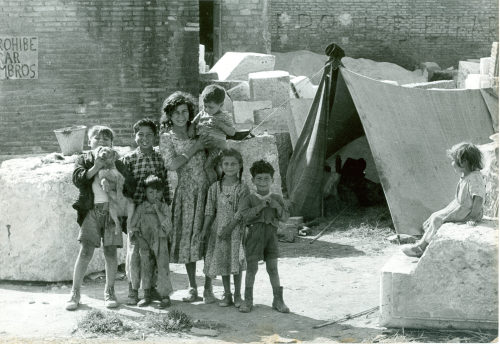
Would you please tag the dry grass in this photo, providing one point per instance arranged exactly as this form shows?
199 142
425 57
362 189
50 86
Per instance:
173 321
96 321
435 336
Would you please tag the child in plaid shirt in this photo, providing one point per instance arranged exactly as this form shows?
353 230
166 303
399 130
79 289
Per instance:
142 162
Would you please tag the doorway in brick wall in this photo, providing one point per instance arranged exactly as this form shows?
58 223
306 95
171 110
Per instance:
207 23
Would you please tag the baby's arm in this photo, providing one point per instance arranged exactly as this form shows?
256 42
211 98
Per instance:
225 125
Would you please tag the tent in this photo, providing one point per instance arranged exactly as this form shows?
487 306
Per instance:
408 131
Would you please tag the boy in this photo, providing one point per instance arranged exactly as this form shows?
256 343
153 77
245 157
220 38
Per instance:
141 163
214 123
93 215
261 211
150 229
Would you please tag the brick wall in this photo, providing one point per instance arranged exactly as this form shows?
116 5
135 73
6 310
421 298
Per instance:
401 31
245 25
99 62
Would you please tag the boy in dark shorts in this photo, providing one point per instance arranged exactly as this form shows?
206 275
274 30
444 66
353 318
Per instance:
261 211
92 208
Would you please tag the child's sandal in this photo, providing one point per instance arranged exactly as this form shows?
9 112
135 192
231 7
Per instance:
193 296
413 251
165 303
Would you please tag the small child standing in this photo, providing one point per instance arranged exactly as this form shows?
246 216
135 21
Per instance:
261 211
224 255
150 229
467 206
214 123
92 208
142 162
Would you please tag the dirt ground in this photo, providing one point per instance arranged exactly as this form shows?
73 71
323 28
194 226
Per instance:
335 276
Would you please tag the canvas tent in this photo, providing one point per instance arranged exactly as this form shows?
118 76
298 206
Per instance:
408 131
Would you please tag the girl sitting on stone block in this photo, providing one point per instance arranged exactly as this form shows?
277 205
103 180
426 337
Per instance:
469 198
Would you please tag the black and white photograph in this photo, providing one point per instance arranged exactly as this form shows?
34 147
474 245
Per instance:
249 171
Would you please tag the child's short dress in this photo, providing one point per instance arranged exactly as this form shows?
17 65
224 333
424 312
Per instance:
153 245
224 257
461 206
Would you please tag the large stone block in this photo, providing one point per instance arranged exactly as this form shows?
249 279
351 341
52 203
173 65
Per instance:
302 62
490 173
303 87
244 110
240 92
453 285
274 120
300 110
465 68
274 86
237 66
38 237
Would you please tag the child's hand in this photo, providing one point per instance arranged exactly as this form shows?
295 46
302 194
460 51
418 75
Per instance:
274 204
99 163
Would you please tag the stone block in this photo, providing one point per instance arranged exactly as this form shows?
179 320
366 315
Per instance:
441 84
493 71
274 120
490 173
300 110
237 65
484 65
38 240
274 85
302 62
476 81
244 110
453 285
240 92
465 68
303 87
257 148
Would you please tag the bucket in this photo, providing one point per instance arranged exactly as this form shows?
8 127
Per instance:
71 139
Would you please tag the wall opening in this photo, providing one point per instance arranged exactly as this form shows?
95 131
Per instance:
207 29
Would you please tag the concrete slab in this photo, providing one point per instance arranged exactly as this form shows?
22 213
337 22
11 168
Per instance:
465 68
237 65
303 87
453 285
244 110
440 84
484 65
38 240
274 86
276 123
240 92
300 109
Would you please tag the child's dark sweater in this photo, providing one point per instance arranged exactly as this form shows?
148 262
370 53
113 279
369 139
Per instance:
85 200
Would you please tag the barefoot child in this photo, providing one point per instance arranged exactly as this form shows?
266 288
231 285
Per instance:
469 198
93 215
142 162
223 227
151 226
261 212
214 123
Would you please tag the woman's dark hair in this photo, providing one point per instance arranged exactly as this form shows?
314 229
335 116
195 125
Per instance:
154 182
235 154
466 153
171 103
260 167
146 122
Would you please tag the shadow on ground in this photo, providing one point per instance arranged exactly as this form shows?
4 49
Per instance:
305 247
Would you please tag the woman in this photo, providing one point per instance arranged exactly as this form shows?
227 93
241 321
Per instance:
186 156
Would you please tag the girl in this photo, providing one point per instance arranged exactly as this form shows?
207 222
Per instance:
225 255
469 198
187 157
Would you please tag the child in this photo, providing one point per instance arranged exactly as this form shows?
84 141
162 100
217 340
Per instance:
225 249
214 123
262 211
150 228
141 163
469 198
93 216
